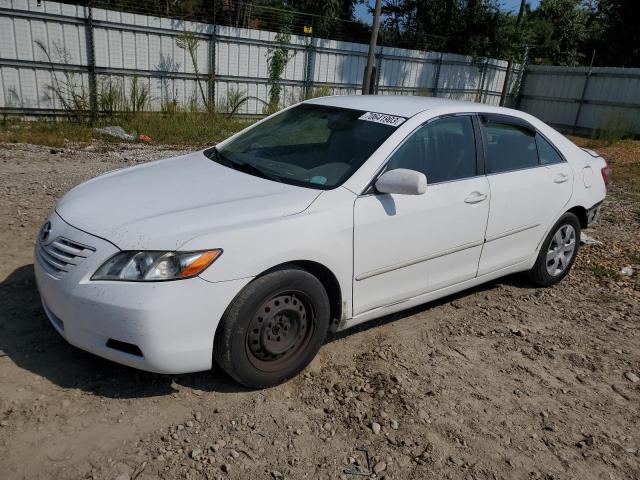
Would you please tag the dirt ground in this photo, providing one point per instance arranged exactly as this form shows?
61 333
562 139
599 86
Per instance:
504 381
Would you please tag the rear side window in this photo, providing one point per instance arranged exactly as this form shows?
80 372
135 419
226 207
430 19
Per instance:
548 155
509 147
444 150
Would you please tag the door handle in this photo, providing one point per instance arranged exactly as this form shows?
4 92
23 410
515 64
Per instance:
476 197
561 178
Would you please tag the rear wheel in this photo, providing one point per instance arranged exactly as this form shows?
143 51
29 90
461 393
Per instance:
273 328
558 252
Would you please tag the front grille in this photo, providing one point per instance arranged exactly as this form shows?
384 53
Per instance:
61 255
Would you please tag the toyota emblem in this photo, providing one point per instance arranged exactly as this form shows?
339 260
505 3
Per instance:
45 231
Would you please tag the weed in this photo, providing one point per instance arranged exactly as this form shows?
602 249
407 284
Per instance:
233 100
169 106
138 95
178 128
189 42
618 128
12 100
110 96
112 99
185 128
301 96
277 59
322 91
603 272
52 134
69 90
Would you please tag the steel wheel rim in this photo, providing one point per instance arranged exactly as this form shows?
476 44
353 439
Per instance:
561 250
280 330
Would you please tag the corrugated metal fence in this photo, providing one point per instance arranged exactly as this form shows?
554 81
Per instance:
69 46
580 99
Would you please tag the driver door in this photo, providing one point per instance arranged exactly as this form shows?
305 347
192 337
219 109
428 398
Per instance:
407 245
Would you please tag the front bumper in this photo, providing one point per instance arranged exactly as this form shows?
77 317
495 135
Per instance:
172 324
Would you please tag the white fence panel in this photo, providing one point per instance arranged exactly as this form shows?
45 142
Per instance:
574 98
227 59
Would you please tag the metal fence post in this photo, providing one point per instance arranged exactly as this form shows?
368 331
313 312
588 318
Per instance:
583 95
211 55
310 66
91 62
436 76
211 83
521 76
483 73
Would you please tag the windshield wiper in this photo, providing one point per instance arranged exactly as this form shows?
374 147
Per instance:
240 166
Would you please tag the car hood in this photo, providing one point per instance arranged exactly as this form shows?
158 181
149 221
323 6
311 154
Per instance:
163 204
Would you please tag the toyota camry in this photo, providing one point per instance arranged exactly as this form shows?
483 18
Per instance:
325 215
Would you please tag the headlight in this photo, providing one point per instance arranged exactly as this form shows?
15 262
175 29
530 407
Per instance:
148 266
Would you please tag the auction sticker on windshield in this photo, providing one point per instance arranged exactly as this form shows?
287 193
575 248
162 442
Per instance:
383 118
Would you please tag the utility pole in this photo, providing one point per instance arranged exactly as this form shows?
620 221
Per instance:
366 85
505 86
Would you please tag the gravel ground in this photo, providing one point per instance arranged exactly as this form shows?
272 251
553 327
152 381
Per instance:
501 382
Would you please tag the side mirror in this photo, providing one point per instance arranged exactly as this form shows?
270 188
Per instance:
402 181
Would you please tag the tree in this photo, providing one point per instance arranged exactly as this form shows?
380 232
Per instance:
615 34
558 29
458 26
335 9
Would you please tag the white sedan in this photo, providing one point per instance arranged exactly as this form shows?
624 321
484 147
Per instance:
330 213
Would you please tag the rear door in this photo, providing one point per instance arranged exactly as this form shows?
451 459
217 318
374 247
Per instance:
530 184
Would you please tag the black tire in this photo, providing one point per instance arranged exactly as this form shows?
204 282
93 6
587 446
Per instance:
539 274
273 328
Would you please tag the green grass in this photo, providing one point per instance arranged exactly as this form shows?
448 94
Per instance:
180 128
184 128
604 273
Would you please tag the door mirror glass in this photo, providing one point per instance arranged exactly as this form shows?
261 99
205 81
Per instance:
402 181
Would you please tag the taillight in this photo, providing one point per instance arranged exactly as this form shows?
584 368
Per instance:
606 174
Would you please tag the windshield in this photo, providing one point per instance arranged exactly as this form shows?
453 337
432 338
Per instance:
309 145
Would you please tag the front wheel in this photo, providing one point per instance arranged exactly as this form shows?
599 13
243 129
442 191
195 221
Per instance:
273 328
558 252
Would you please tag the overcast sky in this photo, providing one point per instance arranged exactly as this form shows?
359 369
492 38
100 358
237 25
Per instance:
362 12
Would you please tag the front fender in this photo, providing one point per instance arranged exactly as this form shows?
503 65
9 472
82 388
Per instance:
323 233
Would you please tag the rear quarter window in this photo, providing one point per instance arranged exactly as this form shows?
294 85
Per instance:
547 153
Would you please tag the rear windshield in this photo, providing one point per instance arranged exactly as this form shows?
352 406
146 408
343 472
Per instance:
314 146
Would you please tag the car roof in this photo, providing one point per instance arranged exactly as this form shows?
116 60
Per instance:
403 105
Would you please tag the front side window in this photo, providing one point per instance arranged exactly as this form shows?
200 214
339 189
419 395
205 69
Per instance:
509 147
444 150
309 145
